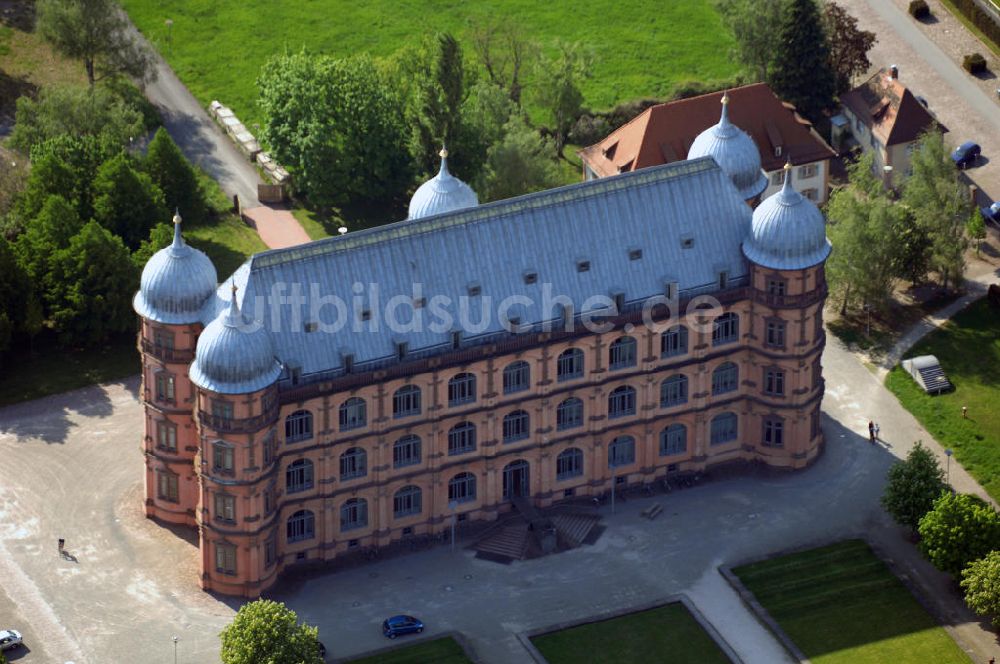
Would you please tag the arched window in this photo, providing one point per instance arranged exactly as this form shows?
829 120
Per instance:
673 440
516 377
725 378
299 476
406 401
621 452
353 463
462 438
516 426
569 365
674 391
724 428
406 451
622 353
407 502
569 463
461 389
298 426
674 341
301 526
774 431
621 402
353 414
354 514
569 414
462 488
725 329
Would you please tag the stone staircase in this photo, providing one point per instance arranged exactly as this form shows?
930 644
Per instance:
506 543
575 528
513 538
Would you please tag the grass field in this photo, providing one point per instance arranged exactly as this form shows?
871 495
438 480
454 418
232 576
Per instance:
664 634
841 605
641 49
438 651
968 347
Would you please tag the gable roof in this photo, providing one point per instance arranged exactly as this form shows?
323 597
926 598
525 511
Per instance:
889 109
494 246
663 133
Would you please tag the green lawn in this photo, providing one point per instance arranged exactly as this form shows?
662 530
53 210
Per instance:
841 605
968 347
217 47
664 634
438 651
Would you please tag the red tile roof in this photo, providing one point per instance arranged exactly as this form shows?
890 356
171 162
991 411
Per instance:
889 109
663 133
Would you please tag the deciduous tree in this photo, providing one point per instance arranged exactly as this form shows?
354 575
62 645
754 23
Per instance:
558 89
268 631
912 487
518 164
981 583
18 302
959 529
800 71
849 45
51 230
505 53
755 25
976 229
96 32
64 165
126 201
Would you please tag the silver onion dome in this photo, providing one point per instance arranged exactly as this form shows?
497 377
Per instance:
175 283
734 150
442 193
234 355
788 231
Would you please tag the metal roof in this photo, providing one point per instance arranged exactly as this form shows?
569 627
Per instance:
442 193
498 246
788 231
735 151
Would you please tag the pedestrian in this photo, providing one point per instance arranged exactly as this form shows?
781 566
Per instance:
871 431
876 431
62 543
965 413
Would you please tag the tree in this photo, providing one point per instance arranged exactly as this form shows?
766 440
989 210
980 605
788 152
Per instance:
18 304
976 228
505 55
126 201
13 179
175 177
97 32
981 583
268 631
436 107
912 487
959 529
518 164
940 206
863 223
848 44
160 237
76 111
558 89
65 166
337 125
90 286
755 25
51 230
800 71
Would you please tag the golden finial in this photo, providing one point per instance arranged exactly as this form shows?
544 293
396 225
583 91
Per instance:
444 153
177 215
725 97
788 166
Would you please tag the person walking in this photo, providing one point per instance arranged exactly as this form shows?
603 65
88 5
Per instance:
871 431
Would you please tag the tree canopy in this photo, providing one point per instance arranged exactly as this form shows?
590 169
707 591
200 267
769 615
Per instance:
268 632
754 24
912 487
96 32
849 45
959 529
126 201
800 71
171 172
436 107
981 583
557 89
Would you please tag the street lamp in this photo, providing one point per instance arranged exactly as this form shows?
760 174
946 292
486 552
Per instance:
887 175
342 230
453 506
948 454
170 27
175 639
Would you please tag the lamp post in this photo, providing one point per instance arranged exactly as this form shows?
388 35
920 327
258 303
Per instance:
948 454
887 176
170 29
453 506
175 639
342 230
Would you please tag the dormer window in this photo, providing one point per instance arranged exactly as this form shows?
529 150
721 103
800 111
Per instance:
419 302
530 277
723 280
456 339
777 150
348 360
687 242
366 314
583 266
634 254
619 299
401 349
311 326
474 289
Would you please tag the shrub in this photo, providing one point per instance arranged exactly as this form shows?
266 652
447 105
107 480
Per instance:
974 63
589 129
919 9
978 16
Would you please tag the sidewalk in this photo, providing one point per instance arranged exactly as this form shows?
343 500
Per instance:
278 228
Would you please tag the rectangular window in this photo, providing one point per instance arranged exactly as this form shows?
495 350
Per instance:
267 445
774 432
775 335
164 387
251 455
222 458
222 409
776 287
268 500
166 486
166 436
811 193
777 178
807 171
774 382
225 507
270 552
225 558
163 340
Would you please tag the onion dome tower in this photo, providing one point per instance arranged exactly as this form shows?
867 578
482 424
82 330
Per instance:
234 355
788 231
734 151
442 193
176 284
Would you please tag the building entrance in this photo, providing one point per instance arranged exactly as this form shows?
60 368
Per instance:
515 479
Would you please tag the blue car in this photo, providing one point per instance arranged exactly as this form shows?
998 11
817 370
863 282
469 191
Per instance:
966 154
396 625
991 212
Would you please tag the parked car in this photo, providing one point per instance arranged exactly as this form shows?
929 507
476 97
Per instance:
9 639
991 212
966 154
396 625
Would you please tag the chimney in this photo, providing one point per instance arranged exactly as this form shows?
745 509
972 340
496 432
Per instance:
893 72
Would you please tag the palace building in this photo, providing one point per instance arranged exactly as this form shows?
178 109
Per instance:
359 390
